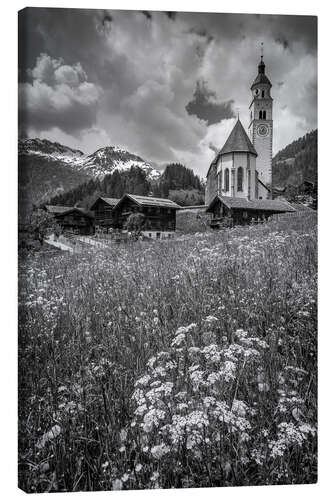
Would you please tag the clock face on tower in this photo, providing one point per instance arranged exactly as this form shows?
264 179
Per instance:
262 130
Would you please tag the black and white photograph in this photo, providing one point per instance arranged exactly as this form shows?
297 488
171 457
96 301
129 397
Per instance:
167 249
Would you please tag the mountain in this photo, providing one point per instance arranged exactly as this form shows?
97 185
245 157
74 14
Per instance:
106 160
47 169
297 162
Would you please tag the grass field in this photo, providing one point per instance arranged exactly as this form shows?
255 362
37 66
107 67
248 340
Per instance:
185 363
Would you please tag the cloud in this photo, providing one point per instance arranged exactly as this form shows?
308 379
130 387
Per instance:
162 86
59 96
205 106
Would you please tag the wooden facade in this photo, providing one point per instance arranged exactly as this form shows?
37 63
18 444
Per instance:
73 219
103 210
237 211
160 214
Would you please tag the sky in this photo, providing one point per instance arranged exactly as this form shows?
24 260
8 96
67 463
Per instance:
166 86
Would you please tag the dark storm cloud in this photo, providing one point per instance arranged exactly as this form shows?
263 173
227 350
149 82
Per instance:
71 34
147 14
171 15
283 41
205 106
127 78
286 29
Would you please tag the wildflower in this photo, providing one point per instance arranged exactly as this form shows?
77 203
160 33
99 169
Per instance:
117 484
155 476
159 451
123 435
125 478
138 467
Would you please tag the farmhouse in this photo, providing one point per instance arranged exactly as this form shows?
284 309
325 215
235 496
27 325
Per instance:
102 209
72 219
239 180
241 211
159 213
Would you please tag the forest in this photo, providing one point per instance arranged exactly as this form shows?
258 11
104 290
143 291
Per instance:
177 183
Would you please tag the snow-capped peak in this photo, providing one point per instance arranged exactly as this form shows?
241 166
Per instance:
98 164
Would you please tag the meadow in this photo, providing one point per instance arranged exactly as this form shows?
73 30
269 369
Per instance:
183 363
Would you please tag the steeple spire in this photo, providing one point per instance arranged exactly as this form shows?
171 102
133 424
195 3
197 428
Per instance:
261 67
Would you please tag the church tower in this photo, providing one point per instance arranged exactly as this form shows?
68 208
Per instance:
261 123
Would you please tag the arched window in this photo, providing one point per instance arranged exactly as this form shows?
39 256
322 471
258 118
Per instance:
240 179
262 93
226 179
260 115
264 115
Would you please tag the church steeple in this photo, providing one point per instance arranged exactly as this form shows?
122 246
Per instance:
261 78
261 67
261 122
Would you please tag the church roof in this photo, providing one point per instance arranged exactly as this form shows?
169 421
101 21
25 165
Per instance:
238 141
243 203
261 77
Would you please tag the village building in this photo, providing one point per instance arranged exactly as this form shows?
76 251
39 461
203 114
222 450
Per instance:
241 211
159 213
72 219
102 208
239 180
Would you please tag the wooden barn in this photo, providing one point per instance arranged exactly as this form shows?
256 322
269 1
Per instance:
160 214
240 211
72 219
102 209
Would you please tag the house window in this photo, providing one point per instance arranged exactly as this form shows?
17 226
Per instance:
240 179
158 235
226 179
245 215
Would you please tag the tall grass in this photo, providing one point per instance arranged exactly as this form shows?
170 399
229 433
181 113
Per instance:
183 363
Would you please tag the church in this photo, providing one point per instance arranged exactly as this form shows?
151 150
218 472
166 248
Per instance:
239 180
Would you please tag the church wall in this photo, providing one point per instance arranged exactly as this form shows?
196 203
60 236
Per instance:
226 163
252 166
241 160
263 193
211 185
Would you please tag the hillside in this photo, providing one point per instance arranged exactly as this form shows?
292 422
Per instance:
296 162
48 169
45 169
54 173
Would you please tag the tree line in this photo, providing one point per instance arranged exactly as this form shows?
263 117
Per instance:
177 181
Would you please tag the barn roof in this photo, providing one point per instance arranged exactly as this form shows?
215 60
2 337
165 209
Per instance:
243 203
110 201
150 201
238 141
57 209
79 210
300 207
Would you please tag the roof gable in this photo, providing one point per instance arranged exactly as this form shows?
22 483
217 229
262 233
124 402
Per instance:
78 210
149 201
109 201
238 141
